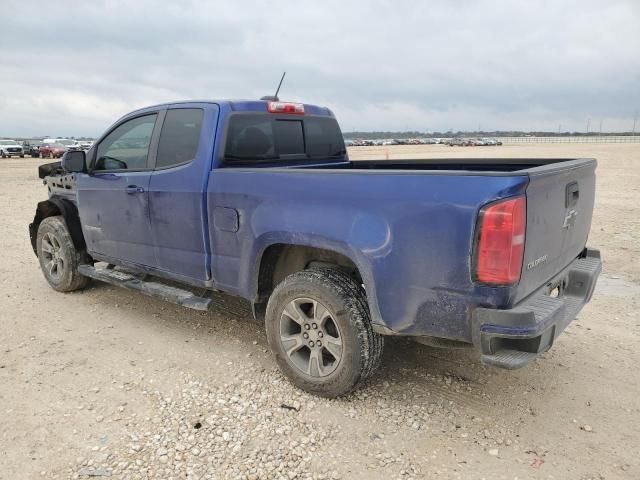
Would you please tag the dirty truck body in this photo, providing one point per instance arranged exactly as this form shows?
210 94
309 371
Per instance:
259 199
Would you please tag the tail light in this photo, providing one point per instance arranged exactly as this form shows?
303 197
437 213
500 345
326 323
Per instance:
500 242
285 107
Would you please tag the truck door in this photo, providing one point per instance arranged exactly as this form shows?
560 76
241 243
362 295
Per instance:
177 207
113 199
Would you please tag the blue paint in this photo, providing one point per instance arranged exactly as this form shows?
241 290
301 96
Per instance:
410 236
410 233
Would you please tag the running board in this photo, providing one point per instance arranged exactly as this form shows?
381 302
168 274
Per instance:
179 296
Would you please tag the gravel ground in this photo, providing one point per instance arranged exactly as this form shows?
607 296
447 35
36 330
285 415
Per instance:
105 382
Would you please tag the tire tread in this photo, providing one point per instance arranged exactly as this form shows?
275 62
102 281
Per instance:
353 298
75 281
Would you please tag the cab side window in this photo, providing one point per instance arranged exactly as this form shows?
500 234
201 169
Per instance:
126 147
179 137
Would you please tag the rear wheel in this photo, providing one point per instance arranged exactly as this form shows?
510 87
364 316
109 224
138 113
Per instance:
58 256
319 330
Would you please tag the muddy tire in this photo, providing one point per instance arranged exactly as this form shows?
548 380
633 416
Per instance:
319 329
58 257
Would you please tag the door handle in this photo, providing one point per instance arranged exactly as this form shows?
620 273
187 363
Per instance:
131 189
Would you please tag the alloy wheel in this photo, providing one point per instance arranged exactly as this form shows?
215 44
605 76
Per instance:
310 337
54 262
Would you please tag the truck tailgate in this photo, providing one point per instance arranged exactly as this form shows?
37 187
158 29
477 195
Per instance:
560 199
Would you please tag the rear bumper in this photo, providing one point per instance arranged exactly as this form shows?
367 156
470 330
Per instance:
513 338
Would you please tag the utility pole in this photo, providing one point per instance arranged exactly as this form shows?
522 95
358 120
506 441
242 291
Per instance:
600 126
635 117
588 124
559 127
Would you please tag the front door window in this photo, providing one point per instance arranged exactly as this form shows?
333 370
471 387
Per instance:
127 147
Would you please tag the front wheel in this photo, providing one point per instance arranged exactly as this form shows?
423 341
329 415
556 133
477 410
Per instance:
58 256
319 329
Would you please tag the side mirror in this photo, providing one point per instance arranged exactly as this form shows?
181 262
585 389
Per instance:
74 161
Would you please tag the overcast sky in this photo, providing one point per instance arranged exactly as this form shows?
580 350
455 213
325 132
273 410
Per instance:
72 68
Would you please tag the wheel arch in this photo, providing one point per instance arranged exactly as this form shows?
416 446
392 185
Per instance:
58 206
279 260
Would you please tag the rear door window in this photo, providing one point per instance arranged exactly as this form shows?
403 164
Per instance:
179 137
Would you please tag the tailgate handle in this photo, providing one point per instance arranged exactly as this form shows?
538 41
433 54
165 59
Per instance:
572 194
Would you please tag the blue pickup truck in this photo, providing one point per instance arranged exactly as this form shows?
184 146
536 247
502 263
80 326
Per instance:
259 199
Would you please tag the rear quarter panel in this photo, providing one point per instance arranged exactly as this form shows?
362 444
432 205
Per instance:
409 233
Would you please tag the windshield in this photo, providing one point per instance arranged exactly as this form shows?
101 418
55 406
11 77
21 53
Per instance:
256 137
65 142
7 142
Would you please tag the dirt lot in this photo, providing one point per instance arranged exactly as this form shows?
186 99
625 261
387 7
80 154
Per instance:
105 381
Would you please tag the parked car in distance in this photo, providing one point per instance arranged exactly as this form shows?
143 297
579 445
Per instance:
10 148
67 143
79 145
457 142
52 150
359 142
32 148
259 199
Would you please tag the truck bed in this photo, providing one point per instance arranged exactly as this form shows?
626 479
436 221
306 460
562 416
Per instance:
459 164
409 222
489 166
451 166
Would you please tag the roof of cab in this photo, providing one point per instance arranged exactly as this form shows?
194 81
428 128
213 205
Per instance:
237 105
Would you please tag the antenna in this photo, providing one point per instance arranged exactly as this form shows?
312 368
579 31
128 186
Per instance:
280 84
275 98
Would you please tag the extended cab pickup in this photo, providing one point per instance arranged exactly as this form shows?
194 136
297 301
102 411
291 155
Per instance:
259 199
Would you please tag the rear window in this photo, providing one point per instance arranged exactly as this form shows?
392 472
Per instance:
253 138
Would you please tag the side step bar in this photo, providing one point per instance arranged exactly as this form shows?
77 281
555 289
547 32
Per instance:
153 289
